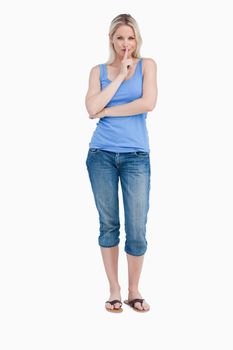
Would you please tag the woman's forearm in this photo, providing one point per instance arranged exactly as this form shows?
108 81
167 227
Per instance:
137 106
97 102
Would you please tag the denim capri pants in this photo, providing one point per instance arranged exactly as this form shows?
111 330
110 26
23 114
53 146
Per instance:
105 168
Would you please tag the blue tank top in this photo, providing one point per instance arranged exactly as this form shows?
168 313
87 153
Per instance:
127 133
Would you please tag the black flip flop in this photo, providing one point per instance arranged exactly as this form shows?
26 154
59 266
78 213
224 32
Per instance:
132 302
113 302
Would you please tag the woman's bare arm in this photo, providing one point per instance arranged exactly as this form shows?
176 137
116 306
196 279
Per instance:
146 103
96 98
143 104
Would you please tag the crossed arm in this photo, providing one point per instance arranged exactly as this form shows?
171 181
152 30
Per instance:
141 105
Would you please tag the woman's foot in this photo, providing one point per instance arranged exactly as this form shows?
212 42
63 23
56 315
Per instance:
113 296
136 295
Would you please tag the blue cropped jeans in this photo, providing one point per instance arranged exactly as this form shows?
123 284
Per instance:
105 168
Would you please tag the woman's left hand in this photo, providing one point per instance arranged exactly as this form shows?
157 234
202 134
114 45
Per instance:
100 114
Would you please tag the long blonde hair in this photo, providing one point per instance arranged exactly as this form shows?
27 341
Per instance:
124 19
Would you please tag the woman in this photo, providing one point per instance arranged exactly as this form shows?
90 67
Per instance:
120 94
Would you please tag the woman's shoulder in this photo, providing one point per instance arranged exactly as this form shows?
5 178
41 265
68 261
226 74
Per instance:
95 68
148 62
95 71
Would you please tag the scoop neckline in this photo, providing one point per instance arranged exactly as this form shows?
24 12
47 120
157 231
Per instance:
124 79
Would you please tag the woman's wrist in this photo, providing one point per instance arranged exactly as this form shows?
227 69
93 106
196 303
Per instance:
121 76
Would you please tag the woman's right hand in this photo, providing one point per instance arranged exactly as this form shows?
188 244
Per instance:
126 62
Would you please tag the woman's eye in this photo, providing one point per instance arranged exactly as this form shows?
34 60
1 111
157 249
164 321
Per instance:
120 37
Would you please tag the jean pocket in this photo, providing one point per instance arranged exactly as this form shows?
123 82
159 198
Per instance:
142 153
93 150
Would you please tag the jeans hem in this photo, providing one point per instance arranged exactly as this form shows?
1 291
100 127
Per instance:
109 246
134 254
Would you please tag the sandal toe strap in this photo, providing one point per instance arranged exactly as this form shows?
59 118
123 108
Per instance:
113 302
137 300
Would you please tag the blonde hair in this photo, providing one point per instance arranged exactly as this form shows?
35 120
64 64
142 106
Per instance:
124 19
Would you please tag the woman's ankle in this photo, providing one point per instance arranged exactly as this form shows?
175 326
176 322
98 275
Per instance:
133 289
115 288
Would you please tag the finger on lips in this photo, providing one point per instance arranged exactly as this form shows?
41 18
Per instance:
126 52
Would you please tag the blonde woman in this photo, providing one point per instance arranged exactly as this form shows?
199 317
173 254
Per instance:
120 93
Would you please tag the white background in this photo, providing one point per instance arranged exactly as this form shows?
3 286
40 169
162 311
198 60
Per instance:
53 284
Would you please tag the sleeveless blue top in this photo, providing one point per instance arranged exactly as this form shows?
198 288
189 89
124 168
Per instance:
124 133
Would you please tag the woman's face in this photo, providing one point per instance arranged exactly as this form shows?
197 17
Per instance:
122 38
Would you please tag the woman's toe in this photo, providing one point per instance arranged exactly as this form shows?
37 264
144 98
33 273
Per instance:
146 306
117 305
138 306
109 306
